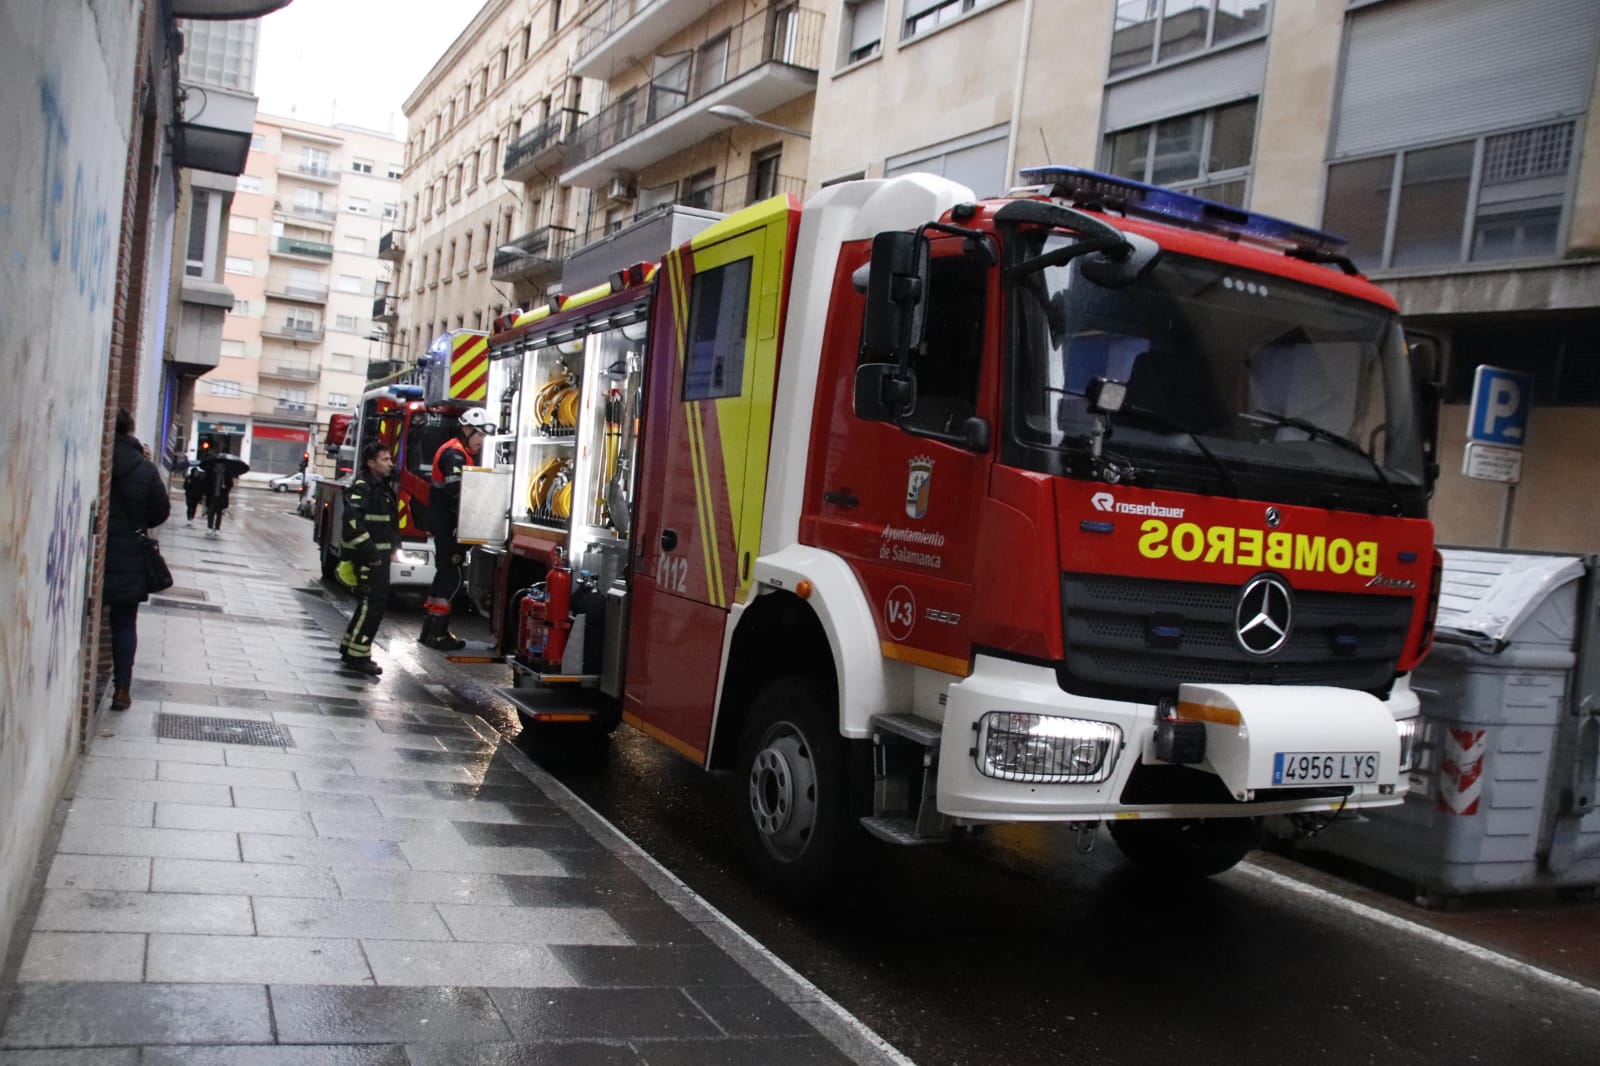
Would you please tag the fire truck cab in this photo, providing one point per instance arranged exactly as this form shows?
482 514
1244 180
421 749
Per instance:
1096 503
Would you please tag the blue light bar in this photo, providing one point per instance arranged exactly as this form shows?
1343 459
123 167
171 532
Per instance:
1180 208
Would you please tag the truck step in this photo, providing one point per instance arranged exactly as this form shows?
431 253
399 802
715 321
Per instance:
546 706
899 829
474 652
910 727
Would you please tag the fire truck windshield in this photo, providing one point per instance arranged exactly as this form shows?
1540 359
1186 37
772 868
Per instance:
1237 383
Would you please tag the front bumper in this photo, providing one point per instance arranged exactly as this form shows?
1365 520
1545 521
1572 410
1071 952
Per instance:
411 566
1261 721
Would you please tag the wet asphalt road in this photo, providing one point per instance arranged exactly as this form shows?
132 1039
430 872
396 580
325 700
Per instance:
1010 948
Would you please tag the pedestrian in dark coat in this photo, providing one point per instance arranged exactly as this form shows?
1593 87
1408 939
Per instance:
138 503
219 484
194 491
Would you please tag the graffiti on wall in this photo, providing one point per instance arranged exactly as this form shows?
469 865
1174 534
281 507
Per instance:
78 228
64 563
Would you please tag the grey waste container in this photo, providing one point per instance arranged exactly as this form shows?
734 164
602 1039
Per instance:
1502 793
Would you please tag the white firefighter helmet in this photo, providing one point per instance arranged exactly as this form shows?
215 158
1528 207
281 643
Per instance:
475 418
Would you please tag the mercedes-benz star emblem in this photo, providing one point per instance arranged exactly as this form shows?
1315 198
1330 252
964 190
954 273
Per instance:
1273 518
1264 614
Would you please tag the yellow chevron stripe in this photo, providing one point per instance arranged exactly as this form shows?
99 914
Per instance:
704 491
474 388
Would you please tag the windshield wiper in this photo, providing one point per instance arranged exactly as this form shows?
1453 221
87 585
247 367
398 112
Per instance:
1316 432
1172 425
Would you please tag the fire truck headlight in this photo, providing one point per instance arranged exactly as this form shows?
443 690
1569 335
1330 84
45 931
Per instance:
411 557
1410 733
1013 746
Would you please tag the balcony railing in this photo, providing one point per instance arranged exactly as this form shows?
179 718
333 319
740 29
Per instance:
322 216
297 292
289 372
392 246
293 330
541 144
293 410
533 255
386 309
605 22
725 196
300 246
792 37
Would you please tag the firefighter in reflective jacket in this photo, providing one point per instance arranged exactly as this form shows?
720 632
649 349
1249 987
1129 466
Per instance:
444 511
371 518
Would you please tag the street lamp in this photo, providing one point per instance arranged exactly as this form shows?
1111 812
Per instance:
743 117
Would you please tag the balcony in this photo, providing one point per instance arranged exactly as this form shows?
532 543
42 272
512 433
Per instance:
302 214
290 329
392 246
725 197
289 372
762 63
299 248
624 28
296 292
540 147
318 172
386 309
534 257
288 410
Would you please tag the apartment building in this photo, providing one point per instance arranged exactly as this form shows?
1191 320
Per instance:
549 126
1456 143
308 289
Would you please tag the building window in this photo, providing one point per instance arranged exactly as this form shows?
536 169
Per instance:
222 388
391 212
394 173
349 283
241 224
449 264
249 183
472 172
233 349
488 242
361 166
1206 153
527 42
1155 31
314 161
699 190
199 246
241 308
239 265
466 255
505 63
555 16
455 183
338 399
863 37
493 161
258 142
358 206
1490 198
292 400
354 245
764 173
924 15
346 323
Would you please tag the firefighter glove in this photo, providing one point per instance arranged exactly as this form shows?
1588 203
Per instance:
347 574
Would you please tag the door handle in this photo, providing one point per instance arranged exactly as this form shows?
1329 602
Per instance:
841 498
669 539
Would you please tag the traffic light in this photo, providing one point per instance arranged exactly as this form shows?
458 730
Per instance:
305 460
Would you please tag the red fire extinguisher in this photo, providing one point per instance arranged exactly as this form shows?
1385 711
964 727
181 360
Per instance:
558 584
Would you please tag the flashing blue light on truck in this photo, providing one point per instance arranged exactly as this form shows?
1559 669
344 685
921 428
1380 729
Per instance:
1180 208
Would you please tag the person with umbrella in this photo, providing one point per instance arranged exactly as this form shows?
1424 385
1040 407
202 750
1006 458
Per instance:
221 470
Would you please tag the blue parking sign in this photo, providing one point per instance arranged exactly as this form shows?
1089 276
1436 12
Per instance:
1501 400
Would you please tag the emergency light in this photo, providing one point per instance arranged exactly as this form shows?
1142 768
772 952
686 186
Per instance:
1180 208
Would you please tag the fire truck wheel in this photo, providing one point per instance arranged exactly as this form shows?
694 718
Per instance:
793 810
1186 847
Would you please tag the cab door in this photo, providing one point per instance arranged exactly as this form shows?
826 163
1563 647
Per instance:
713 362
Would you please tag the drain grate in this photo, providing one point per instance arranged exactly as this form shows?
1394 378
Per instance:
222 730
185 593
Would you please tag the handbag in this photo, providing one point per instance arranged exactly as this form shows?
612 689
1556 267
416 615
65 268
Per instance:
156 573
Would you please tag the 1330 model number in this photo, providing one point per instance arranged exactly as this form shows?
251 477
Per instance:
1325 768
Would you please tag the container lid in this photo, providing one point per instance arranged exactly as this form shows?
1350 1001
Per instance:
1485 596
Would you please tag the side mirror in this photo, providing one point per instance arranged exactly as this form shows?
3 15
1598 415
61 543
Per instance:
897 288
885 392
1428 391
975 434
1121 268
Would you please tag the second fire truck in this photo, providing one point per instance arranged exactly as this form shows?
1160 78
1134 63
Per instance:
1096 503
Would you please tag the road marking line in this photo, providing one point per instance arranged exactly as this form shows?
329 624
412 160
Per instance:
1423 932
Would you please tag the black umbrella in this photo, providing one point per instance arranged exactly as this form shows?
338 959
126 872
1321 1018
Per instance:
234 465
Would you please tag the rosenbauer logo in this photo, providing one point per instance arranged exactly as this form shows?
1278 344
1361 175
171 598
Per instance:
1104 501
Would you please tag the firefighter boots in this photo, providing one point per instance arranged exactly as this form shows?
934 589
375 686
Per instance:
362 666
436 634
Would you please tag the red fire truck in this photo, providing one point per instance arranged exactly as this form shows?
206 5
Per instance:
1097 503
413 420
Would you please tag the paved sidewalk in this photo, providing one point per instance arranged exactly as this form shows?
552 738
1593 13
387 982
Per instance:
384 882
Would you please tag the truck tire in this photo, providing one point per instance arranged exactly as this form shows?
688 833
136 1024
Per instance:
790 791
1186 847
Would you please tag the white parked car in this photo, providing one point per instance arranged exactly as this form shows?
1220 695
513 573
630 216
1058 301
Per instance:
287 483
